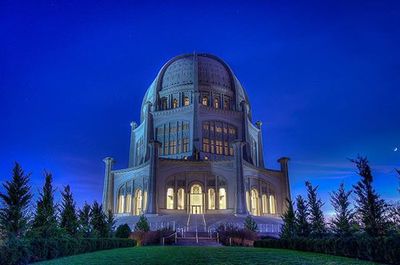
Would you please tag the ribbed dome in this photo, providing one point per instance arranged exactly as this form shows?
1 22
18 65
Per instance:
210 71
181 71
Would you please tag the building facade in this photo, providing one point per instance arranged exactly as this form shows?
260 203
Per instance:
196 149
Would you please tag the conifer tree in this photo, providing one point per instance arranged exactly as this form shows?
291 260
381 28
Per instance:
110 221
68 216
98 220
302 225
250 224
370 207
84 220
14 204
343 219
317 222
289 222
45 220
142 224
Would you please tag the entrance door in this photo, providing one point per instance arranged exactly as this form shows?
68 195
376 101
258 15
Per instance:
196 199
196 209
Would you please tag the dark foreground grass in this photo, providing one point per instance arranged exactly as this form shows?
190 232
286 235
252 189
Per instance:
202 255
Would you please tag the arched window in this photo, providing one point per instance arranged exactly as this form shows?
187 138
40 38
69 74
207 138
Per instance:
216 103
211 199
174 103
170 198
264 200
254 202
227 104
204 101
248 201
222 198
186 101
181 199
272 204
121 200
128 198
164 103
138 202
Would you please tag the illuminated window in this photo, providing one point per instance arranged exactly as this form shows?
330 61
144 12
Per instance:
222 199
264 203
206 126
181 199
175 103
212 147
172 147
170 198
254 202
128 198
216 103
185 145
231 151
186 101
226 148
219 147
121 200
248 200
138 202
272 206
206 145
204 101
218 128
166 145
211 199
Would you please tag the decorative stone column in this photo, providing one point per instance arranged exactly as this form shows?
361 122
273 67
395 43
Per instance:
152 185
240 207
286 188
108 188
132 153
260 154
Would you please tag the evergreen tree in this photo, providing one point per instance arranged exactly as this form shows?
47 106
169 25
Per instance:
98 220
45 220
84 221
69 218
289 222
302 225
250 224
317 222
370 207
110 221
14 204
142 224
343 219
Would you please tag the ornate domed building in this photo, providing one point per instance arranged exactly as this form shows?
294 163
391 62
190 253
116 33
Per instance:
196 149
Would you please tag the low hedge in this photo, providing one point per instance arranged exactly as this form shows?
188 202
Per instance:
383 249
39 249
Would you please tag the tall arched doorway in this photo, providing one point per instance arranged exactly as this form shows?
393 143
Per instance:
254 202
138 202
196 199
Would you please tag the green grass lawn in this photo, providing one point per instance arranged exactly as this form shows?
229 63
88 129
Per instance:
201 255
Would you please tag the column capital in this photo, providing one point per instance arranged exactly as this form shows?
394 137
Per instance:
283 160
133 125
109 160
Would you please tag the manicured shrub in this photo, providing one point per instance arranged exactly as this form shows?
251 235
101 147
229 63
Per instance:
38 249
123 231
379 249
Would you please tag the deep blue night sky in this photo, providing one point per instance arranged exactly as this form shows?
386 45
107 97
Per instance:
323 76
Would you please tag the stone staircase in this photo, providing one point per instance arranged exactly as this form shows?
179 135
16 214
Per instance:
195 233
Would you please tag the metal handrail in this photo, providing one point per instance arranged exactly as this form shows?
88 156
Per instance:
173 234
